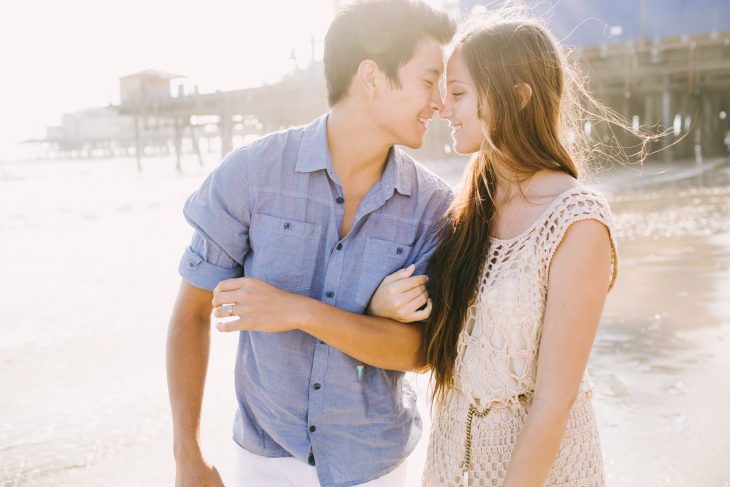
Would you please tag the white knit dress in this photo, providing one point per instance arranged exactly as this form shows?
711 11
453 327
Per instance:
497 361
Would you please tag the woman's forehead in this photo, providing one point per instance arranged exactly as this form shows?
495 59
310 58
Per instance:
455 69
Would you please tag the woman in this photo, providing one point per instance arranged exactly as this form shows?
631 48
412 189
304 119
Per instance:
519 277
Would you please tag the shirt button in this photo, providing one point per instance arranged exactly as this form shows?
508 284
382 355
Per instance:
322 342
287 226
312 429
340 199
339 246
399 250
316 386
330 294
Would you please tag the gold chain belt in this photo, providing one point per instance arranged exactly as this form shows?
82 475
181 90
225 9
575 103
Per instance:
473 411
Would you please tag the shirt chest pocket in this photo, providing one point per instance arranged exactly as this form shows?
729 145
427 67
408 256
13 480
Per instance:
380 258
284 251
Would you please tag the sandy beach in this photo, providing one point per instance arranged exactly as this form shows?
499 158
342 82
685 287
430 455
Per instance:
89 277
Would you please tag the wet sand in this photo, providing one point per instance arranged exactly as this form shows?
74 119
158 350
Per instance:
662 357
90 274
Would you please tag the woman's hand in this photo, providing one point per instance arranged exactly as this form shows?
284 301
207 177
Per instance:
400 296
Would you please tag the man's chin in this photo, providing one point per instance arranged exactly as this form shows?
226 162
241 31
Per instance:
415 143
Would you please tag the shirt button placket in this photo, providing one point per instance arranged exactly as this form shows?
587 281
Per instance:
317 405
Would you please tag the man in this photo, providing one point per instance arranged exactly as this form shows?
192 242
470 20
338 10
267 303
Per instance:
294 232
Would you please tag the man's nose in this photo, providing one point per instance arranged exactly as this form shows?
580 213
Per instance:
436 103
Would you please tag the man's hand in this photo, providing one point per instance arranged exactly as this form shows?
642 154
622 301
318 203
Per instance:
259 306
197 473
253 305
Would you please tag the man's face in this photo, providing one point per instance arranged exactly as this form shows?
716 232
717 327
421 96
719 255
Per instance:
461 107
403 113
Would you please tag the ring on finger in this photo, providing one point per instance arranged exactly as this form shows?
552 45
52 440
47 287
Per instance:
229 308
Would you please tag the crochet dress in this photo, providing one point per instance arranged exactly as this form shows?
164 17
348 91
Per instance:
497 362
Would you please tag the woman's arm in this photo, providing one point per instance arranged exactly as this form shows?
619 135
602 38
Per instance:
577 288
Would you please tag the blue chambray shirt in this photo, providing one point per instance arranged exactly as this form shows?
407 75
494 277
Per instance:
273 210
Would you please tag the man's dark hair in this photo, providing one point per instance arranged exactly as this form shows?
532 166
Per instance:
385 31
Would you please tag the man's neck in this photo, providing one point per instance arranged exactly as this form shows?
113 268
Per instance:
358 149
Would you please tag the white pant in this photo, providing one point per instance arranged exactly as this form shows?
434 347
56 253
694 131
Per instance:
257 471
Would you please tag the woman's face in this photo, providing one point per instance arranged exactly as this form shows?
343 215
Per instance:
461 107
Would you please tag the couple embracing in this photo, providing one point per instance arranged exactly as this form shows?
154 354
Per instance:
343 263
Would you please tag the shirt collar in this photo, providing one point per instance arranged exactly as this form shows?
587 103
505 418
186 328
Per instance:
314 155
396 173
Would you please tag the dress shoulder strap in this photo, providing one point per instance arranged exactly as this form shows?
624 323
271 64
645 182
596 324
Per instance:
577 204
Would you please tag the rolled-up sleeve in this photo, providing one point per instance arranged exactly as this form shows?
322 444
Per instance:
204 264
219 212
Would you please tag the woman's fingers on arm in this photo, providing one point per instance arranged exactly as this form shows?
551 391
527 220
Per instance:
419 300
405 298
409 311
409 283
423 314
400 274
388 296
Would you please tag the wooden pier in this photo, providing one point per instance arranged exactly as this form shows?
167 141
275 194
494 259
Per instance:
680 83
296 100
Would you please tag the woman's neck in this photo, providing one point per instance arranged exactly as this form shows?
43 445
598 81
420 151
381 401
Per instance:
513 183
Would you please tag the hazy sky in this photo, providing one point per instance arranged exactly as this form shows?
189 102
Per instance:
58 56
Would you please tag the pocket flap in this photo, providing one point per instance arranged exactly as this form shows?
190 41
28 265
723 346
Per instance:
384 247
286 226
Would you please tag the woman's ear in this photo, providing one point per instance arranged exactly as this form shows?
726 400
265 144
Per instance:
367 76
524 92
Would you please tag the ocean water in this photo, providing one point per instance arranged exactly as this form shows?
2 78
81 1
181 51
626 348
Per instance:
88 278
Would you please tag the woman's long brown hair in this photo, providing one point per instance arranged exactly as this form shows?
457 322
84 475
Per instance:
521 138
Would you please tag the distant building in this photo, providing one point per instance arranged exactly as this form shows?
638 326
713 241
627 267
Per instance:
102 132
92 124
105 132
146 85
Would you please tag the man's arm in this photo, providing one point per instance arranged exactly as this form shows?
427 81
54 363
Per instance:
379 342
375 341
188 345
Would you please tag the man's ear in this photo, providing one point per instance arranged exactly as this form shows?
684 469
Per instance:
367 77
524 92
